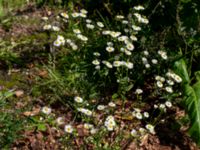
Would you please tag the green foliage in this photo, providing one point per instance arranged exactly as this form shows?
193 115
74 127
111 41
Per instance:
192 99
10 124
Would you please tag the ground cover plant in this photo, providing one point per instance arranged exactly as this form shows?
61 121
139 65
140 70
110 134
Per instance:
86 80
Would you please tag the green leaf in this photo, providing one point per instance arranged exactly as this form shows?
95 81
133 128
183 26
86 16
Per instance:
115 96
180 68
41 127
192 103
128 88
191 98
197 74
185 1
5 95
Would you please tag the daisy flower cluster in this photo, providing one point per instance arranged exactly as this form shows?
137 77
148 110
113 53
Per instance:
114 57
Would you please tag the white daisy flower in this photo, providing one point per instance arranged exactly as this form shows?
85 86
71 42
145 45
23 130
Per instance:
169 89
144 60
137 109
139 91
97 67
130 46
108 64
122 38
85 111
57 43
115 34
96 54
142 131
75 15
144 20
110 123
95 62
120 17
82 15
133 38
90 26
106 32
124 21
162 106
93 131
117 63
122 49
101 107
147 66
55 28
110 49
78 99
45 18
154 61
69 41
47 27
138 115
76 31
111 104
46 110
139 7
61 39
129 65
158 78
168 104
88 21
82 37
146 53
110 44
170 82
100 24
83 11
178 79
164 56
146 114
126 30
159 84
137 15
136 28
68 128
150 128
127 52
134 133
60 120
88 126
155 106
65 15
74 47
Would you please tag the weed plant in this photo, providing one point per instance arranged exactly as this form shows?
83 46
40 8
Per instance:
98 64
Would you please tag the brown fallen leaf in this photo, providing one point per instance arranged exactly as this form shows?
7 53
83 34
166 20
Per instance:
19 93
82 131
124 117
34 112
43 73
132 146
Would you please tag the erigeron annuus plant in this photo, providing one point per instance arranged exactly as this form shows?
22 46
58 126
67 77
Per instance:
107 56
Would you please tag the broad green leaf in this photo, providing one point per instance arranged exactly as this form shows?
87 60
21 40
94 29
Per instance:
180 68
197 74
192 103
192 98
